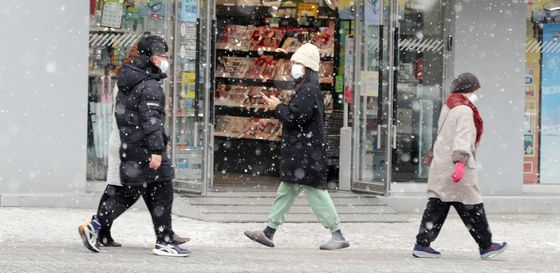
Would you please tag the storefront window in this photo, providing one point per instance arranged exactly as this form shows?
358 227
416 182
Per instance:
253 48
542 93
115 26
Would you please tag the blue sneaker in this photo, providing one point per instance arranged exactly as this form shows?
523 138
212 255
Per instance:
493 250
425 252
89 232
171 249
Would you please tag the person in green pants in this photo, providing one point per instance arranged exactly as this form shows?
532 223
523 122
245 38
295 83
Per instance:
303 164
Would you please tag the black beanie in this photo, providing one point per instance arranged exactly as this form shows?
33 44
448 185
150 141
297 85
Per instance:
465 83
152 45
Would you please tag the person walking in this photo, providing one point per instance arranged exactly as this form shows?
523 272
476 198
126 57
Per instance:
303 160
452 179
145 169
113 177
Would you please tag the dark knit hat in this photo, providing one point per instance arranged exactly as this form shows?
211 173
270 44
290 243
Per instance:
152 45
465 83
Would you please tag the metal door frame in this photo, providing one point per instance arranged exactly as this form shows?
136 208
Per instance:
377 187
208 139
391 68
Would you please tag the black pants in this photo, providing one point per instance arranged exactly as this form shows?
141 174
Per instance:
473 217
158 197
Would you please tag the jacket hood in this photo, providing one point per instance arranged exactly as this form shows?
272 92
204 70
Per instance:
132 75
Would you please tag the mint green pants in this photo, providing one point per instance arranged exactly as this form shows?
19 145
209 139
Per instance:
319 200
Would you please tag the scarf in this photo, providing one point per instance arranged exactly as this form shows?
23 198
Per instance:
457 99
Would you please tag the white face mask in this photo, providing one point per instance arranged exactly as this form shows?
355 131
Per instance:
298 71
163 65
473 98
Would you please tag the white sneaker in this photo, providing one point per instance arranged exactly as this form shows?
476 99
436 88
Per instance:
172 250
88 232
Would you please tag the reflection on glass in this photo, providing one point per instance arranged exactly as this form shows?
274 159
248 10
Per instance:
108 48
188 98
419 87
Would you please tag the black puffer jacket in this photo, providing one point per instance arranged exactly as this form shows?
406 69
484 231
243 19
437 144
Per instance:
140 118
303 155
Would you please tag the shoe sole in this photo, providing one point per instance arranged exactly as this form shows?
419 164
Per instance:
167 254
493 254
341 246
423 254
265 243
85 234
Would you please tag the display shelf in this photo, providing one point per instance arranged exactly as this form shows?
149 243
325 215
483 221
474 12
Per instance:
252 12
234 105
244 111
183 147
227 135
253 49
185 115
278 53
268 83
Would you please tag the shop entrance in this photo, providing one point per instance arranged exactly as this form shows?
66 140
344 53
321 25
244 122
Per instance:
399 69
253 47
385 59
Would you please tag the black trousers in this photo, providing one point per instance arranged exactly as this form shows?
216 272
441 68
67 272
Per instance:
473 216
158 197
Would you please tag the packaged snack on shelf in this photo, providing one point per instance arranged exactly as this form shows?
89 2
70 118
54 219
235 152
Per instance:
251 128
232 67
256 70
253 96
236 126
291 44
230 95
266 39
231 37
272 39
324 40
269 71
269 129
245 38
326 71
222 123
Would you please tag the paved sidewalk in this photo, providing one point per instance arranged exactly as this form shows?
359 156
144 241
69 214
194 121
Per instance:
46 240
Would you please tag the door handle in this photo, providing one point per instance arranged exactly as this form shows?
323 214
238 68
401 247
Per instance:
378 136
394 142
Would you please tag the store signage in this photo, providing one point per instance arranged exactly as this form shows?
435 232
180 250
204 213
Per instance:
188 81
112 13
189 10
305 10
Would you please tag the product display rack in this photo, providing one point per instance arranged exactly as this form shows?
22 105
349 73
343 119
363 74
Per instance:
256 57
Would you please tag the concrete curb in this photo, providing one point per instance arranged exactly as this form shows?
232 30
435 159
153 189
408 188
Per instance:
494 204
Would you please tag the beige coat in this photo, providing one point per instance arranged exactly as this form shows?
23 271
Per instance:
455 142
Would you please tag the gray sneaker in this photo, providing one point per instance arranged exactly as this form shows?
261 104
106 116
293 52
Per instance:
259 237
334 245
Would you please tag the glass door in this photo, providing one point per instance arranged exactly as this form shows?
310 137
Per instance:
418 85
372 96
191 147
398 89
